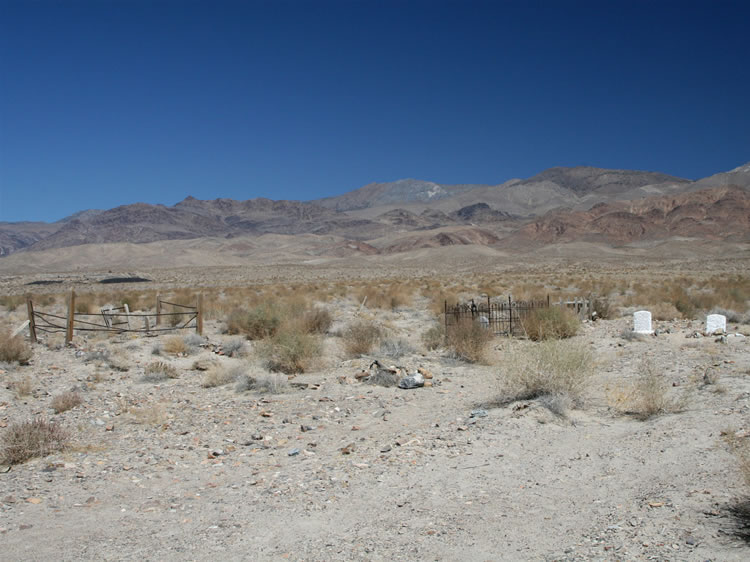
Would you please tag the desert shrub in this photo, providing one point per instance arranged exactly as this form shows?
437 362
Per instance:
32 438
219 375
259 322
316 321
468 340
360 337
65 401
14 349
648 395
290 351
267 383
434 337
11 302
731 315
395 348
175 345
664 311
21 387
234 347
159 371
557 373
554 322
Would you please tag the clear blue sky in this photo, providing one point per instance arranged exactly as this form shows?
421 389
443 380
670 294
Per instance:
104 103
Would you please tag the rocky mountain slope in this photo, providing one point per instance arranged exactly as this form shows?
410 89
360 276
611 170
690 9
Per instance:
557 205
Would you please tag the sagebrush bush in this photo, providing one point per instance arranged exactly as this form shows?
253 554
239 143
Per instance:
65 401
556 372
266 383
32 438
360 337
22 387
175 345
14 349
468 340
553 322
290 351
385 296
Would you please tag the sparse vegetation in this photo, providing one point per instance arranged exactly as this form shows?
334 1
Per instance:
65 401
14 349
21 387
468 340
269 383
555 372
434 337
219 375
259 322
395 348
360 337
32 438
290 351
175 345
552 322
649 395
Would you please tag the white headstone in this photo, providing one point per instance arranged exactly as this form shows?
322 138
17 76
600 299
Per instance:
716 323
642 322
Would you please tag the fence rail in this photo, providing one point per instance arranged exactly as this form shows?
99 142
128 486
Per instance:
115 320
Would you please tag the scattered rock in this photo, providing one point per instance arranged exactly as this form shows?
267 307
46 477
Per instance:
415 380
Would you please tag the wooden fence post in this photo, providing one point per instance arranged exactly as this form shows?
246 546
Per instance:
71 313
199 316
158 309
32 324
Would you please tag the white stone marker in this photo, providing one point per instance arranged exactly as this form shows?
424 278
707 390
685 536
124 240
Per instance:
642 322
716 323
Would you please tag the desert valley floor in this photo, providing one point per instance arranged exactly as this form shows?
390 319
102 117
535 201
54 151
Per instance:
323 466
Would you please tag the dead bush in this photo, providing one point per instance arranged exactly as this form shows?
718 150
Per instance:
290 351
468 340
648 395
556 372
360 337
395 348
14 349
159 371
32 438
553 322
65 401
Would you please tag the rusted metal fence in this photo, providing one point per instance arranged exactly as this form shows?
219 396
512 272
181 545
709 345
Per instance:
116 320
506 317
503 317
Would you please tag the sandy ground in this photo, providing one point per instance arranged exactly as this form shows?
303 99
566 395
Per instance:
175 471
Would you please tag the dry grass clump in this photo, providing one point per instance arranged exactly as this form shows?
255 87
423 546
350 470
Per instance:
219 375
360 337
21 387
65 401
554 322
266 383
32 438
290 351
556 372
469 340
14 349
648 395
159 371
11 302
149 414
234 347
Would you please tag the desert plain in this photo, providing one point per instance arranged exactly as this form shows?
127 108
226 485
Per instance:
186 447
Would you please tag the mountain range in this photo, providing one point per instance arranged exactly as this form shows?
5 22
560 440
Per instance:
560 205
